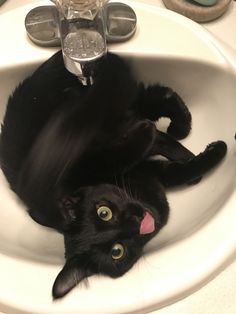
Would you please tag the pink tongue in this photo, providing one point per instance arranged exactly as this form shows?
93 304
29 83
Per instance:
147 224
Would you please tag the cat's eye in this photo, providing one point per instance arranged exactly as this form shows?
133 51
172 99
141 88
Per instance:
104 213
117 251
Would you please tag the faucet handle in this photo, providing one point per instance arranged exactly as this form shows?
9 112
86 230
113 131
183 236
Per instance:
79 8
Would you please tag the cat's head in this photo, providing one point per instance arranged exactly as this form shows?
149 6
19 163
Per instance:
107 230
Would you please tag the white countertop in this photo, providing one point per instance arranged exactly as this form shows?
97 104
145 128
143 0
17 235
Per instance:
219 295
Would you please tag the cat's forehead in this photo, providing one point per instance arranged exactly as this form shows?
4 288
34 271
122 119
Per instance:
107 192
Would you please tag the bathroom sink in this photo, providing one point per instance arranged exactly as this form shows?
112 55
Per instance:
200 238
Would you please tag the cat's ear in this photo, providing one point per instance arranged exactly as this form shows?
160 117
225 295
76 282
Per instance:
70 276
69 205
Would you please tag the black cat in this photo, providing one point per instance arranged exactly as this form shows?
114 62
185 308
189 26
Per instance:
78 158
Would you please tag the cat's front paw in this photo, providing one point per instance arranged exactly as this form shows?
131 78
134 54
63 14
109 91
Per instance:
218 148
181 119
142 132
137 141
178 131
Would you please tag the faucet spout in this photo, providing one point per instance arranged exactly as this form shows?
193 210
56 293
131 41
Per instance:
83 36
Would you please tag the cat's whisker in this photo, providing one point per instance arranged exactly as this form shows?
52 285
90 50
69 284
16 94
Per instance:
62 171
124 195
144 262
76 279
118 187
126 191
135 194
130 190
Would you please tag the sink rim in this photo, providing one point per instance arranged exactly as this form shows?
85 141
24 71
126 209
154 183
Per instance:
185 221
154 297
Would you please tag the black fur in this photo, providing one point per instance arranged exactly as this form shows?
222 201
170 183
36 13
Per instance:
67 149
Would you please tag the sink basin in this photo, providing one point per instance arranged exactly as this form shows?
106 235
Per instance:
200 238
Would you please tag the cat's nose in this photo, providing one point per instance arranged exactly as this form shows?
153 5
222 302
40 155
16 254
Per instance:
131 221
138 216
134 214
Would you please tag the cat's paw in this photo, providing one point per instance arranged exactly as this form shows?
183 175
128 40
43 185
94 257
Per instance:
142 132
218 148
137 141
214 152
146 126
179 131
181 119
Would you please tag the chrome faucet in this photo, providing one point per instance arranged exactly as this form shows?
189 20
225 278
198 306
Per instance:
83 36
83 28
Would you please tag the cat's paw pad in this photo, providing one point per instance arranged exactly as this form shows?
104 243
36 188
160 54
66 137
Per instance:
219 148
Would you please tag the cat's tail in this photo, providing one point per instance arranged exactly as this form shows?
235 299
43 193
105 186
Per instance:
70 133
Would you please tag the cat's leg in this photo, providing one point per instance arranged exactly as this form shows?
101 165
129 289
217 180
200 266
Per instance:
165 145
159 101
140 142
128 149
177 173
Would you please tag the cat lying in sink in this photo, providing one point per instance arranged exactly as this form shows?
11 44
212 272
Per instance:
78 157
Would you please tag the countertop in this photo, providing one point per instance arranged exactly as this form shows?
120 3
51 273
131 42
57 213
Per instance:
219 295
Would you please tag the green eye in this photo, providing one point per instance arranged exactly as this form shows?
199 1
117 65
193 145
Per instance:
104 213
117 251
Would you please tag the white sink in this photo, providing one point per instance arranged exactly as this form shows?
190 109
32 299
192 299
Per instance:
200 238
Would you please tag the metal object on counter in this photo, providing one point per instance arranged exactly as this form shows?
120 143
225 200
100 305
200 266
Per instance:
43 29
